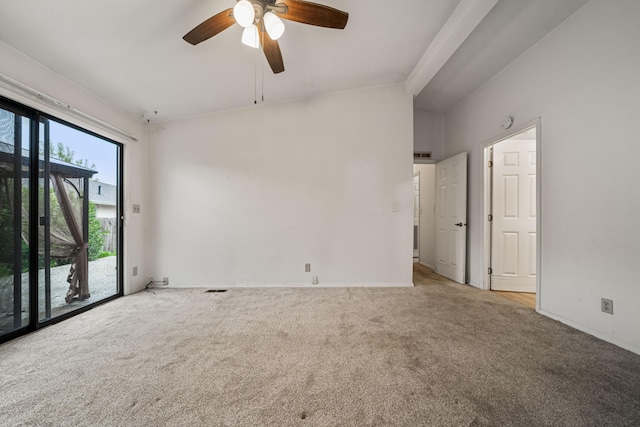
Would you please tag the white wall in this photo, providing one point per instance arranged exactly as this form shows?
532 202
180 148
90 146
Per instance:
23 69
428 133
583 80
427 214
248 197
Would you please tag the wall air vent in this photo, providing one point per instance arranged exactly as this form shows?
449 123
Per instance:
422 155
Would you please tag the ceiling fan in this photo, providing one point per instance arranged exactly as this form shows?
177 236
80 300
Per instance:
262 26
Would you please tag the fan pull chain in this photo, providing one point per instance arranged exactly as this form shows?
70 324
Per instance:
255 77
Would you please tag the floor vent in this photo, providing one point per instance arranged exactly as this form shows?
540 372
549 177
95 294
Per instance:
215 290
422 155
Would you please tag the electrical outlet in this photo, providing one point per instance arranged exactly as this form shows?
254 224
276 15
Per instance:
135 271
307 268
314 280
166 281
606 305
136 208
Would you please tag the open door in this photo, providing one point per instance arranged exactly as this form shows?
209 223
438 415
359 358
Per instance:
451 217
513 212
416 215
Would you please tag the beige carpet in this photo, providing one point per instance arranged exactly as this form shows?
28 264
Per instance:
438 354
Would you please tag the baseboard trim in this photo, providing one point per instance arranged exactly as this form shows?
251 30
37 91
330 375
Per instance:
290 285
426 265
593 332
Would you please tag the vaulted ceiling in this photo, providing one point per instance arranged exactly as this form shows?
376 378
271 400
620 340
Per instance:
131 53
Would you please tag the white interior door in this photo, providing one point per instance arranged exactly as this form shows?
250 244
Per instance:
416 215
513 228
451 217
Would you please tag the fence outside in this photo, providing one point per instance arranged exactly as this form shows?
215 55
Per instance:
110 228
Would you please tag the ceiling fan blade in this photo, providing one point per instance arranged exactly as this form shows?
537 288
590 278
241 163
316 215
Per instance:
209 28
313 14
272 51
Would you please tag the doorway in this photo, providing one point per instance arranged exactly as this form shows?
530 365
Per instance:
512 213
425 173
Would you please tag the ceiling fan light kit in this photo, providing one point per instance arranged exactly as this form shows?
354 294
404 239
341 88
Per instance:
250 37
260 17
243 13
274 25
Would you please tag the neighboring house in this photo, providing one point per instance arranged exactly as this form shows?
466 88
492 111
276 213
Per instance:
104 196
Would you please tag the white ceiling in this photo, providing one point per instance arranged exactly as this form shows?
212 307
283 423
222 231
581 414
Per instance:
131 53
512 27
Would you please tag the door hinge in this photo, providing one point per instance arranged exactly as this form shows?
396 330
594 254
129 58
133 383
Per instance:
490 271
490 218
490 163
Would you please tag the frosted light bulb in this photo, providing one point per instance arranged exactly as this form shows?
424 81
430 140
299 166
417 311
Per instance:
274 25
243 13
250 36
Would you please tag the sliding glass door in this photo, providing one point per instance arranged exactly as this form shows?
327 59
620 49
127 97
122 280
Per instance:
60 234
15 135
79 198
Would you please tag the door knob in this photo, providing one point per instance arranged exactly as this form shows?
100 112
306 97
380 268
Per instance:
460 224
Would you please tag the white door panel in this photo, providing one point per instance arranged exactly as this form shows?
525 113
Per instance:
416 216
451 221
513 229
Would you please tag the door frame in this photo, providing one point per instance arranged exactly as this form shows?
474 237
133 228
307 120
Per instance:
487 188
36 116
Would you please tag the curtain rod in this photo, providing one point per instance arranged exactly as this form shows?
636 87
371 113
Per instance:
61 106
